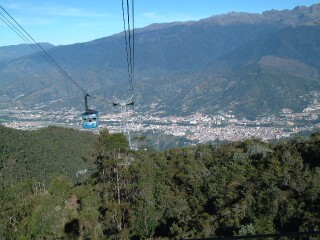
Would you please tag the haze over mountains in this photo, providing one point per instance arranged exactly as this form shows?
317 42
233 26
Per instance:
249 63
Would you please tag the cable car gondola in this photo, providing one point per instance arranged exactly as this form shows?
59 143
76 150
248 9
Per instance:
90 118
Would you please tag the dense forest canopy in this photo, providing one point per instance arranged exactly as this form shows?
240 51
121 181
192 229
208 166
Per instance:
43 154
239 188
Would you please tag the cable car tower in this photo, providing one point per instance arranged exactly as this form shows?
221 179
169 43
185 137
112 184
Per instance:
124 124
129 43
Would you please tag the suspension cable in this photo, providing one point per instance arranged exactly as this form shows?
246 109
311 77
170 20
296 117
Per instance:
126 41
36 46
25 36
130 45
129 39
16 30
133 45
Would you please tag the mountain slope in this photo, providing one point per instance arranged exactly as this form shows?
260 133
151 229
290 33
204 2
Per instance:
43 154
261 76
276 72
9 53
178 64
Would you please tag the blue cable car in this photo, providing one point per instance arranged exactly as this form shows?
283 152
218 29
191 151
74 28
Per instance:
90 118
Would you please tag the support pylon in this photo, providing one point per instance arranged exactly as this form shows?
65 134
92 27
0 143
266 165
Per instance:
123 104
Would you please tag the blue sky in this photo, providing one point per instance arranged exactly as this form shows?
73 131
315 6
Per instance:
71 21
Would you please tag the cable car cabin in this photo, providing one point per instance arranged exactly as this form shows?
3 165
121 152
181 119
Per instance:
90 119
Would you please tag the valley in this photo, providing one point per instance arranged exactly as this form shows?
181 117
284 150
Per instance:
195 128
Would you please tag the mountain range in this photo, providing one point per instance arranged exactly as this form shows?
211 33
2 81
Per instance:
251 64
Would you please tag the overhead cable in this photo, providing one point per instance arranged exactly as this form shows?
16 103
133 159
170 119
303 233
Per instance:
133 45
129 39
36 46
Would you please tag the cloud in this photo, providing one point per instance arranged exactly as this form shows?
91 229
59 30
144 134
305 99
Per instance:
15 5
149 15
36 21
54 9
71 12
85 24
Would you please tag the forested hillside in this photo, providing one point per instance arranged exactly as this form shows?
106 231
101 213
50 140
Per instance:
43 154
203 191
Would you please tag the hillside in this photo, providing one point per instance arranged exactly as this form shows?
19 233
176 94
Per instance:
43 154
9 53
275 72
184 67
233 189
260 77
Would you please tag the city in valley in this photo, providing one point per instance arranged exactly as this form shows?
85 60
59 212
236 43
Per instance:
197 128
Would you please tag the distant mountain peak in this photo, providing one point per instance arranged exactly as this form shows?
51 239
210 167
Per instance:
300 15
234 17
161 26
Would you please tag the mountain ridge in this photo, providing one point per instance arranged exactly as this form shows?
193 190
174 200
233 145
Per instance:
8 53
175 60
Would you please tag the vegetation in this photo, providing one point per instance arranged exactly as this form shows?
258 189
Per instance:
229 189
43 154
